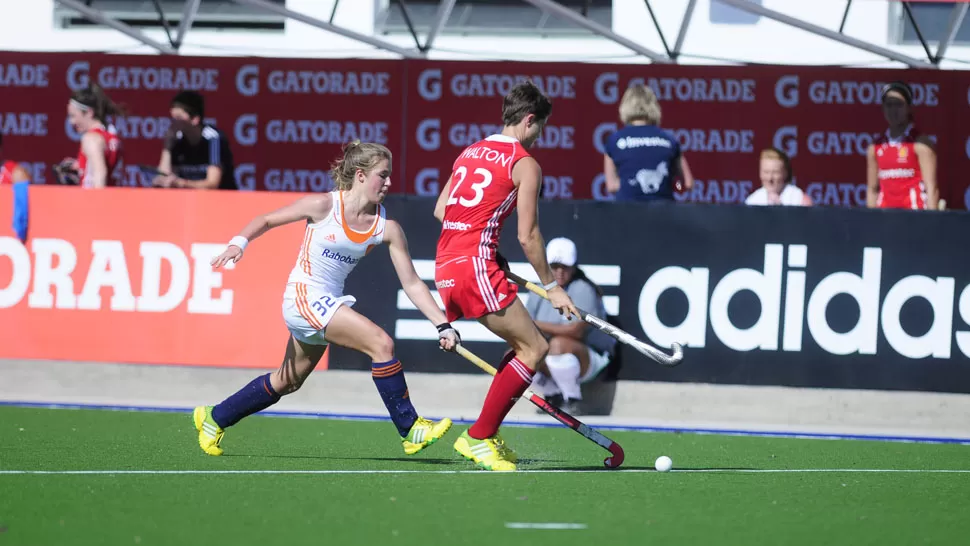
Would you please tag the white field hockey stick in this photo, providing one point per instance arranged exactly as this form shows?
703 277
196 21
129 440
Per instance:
616 452
642 347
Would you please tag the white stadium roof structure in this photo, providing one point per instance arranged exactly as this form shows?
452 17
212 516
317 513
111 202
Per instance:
934 25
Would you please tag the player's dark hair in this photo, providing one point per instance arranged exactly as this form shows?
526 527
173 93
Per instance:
581 276
192 102
95 99
524 99
900 87
357 155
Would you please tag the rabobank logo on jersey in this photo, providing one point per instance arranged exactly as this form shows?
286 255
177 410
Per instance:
338 257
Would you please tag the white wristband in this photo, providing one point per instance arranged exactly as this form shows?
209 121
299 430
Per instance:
239 241
550 286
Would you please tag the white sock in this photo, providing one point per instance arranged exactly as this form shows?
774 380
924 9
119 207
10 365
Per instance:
544 385
565 372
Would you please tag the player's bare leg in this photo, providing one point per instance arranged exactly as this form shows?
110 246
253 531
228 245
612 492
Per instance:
482 443
350 329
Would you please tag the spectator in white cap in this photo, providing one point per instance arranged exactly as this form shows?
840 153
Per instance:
577 352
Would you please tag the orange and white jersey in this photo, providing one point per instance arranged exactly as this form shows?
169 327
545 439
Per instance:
331 249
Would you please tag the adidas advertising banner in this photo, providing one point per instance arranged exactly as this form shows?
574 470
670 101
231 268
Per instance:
763 296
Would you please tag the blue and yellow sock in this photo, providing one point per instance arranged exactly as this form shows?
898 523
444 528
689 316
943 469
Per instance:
254 397
389 378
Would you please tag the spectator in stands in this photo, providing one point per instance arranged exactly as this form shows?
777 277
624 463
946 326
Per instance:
10 171
577 352
100 156
776 187
642 161
13 174
196 154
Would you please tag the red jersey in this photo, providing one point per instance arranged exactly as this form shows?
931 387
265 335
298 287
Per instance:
112 156
6 172
900 178
482 196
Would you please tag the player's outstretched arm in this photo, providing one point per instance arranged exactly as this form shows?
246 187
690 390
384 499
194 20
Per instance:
313 208
439 206
926 154
872 178
416 290
527 177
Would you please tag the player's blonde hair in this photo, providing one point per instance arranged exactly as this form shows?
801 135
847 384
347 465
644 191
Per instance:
357 155
639 103
775 153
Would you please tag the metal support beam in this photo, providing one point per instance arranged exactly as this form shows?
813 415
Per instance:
919 35
559 10
845 16
657 26
406 13
956 20
369 40
682 35
98 17
164 21
188 16
441 18
824 32
333 12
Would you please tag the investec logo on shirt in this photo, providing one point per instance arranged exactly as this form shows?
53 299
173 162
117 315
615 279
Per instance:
784 315
897 173
456 226
634 142
419 328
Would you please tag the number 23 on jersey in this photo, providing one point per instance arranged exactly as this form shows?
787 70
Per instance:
480 180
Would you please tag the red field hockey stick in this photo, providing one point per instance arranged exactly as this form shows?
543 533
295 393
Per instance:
616 452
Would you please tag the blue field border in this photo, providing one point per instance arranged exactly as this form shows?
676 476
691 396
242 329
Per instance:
535 424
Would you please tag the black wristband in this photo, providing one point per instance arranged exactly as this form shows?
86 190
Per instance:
444 326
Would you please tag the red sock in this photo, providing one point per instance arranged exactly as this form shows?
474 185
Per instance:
507 387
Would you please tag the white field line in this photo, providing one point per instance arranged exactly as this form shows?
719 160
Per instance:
485 473
523 525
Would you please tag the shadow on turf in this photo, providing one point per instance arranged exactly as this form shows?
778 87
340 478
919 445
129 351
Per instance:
437 461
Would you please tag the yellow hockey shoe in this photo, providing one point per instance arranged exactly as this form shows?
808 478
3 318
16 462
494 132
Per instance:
210 434
485 453
505 450
423 433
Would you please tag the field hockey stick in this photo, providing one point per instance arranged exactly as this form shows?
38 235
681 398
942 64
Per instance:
642 347
616 452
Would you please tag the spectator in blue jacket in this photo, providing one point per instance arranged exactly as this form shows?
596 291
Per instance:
643 161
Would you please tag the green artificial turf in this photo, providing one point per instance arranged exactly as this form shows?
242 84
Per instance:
430 503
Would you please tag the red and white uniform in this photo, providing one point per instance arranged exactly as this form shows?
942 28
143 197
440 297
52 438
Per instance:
6 172
900 179
482 196
112 156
